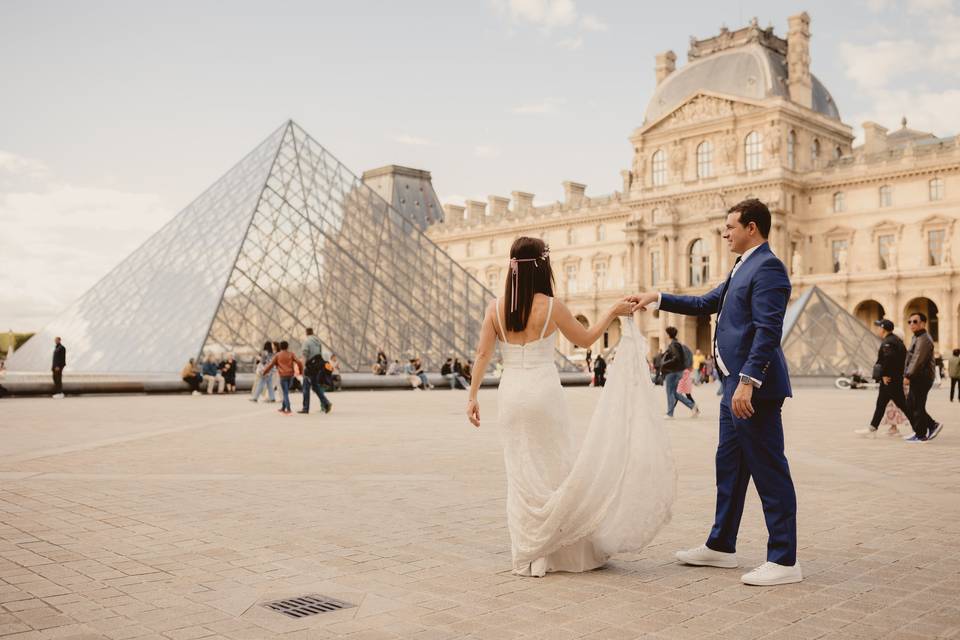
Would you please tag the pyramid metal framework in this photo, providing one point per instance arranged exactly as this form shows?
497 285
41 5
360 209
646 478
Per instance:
288 239
820 338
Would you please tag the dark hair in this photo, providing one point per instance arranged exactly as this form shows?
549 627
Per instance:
283 345
754 211
268 346
956 352
922 316
534 275
672 332
309 331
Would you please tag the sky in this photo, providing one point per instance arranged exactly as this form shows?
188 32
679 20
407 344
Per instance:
117 113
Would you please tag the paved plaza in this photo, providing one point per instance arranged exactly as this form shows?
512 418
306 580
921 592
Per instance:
176 517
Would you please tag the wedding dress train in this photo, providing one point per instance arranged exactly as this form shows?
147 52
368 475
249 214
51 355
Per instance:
572 501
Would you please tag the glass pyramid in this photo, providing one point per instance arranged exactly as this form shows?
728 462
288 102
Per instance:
820 338
288 239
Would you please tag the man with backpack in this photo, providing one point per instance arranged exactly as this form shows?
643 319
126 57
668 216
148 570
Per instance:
673 364
315 373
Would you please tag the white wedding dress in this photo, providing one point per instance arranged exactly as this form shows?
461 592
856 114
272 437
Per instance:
573 501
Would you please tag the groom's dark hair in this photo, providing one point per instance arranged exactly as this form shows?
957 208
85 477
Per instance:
752 210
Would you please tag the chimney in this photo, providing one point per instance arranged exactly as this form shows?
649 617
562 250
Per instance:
454 213
522 202
498 205
874 138
476 210
798 60
573 193
666 64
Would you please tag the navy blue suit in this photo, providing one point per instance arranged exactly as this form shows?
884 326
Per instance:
751 306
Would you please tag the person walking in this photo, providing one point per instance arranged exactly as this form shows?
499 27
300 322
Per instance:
891 357
953 368
918 377
59 363
263 382
314 373
600 370
672 365
191 376
286 364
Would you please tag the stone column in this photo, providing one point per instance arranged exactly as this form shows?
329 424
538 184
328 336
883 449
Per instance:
948 338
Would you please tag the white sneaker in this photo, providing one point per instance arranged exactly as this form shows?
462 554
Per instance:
869 432
704 556
667 416
770 574
197 393
58 396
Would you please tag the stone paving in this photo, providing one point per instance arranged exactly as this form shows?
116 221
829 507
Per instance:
176 517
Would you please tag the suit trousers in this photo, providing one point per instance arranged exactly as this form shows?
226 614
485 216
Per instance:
888 392
753 447
917 402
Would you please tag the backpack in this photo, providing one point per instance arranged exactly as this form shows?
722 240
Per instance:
316 366
687 357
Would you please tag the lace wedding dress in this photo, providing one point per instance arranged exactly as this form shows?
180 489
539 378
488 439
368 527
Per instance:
573 501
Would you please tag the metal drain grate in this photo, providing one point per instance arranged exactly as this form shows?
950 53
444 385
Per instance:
307 605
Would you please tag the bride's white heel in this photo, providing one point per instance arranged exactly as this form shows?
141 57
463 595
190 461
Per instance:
535 569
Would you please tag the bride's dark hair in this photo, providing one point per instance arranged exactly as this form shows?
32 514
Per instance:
530 261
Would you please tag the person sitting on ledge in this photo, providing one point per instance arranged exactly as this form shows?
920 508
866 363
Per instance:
191 376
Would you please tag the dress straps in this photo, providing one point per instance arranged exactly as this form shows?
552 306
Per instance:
546 322
503 334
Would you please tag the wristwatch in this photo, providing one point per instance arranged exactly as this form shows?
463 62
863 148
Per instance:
745 379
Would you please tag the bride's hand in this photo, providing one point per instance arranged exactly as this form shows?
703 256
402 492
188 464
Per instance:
473 412
623 308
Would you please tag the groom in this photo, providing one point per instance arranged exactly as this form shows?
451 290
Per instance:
750 306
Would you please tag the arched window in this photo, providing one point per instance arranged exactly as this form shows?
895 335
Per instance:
815 154
699 264
601 233
886 196
839 202
492 278
705 159
936 189
792 149
837 152
753 151
658 168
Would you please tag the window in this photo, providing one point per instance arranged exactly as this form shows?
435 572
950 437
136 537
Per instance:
705 159
936 189
935 247
839 249
839 202
837 152
601 233
658 168
600 275
654 267
886 196
492 278
885 243
571 272
752 152
815 154
571 236
699 264
492 249
792 149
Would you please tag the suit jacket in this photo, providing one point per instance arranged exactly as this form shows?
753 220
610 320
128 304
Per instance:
749 329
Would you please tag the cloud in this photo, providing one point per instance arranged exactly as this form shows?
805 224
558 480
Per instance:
558 18
404 138
59 238
486 151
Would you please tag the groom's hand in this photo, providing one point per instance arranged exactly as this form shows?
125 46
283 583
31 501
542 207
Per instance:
741 404
642 300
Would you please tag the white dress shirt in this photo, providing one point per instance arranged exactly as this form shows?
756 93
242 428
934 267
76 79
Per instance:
716 350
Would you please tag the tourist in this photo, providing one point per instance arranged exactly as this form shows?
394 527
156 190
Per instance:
191 376
228 368
588 359
262 382
918 376
314 373
336 380
889 367
380 368
600 371
211 375
287 365
467 372
394 369
446 372
673 365
410 370
59 363
953 368
418 371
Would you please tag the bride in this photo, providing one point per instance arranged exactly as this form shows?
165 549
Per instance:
573 499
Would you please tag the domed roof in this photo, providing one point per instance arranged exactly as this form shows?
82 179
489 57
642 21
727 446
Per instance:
753 72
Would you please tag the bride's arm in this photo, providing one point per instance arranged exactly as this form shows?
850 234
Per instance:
485 345
574 331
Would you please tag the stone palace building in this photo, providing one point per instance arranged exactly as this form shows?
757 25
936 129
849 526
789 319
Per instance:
872 225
